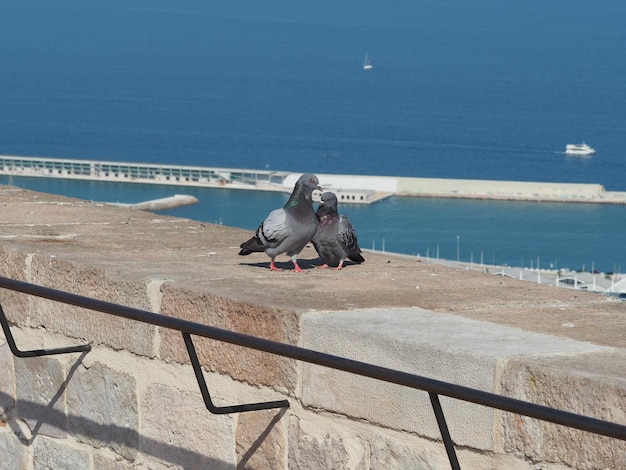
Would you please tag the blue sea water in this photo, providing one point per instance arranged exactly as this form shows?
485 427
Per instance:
487 90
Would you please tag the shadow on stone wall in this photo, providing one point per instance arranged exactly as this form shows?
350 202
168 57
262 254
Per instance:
57 424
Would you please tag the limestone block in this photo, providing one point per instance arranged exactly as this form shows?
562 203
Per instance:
243 364
12 263
40 385
13 453
58 455
95 327
14 304
316 443
7 381
111 462
262 439
388 453
436 345
308 450
583 384
178 430
103 409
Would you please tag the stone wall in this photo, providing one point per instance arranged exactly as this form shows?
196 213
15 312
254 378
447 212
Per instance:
115 409
132 402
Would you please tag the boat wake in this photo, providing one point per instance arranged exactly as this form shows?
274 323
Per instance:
495 149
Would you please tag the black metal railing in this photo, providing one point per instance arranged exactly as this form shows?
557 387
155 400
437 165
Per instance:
434 388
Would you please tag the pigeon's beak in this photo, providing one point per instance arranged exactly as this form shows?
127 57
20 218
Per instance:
317 194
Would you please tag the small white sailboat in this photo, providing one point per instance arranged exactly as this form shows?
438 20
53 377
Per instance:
367 63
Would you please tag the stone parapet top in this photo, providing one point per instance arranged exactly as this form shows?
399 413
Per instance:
124 246
441 346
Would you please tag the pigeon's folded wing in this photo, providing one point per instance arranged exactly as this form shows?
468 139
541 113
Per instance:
348 240
274 228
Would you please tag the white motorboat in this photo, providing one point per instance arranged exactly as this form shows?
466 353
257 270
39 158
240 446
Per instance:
579 149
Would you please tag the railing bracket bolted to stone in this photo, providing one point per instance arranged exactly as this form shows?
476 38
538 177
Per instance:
35 352
192 356
220 410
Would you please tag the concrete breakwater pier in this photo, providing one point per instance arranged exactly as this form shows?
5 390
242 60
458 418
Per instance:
349 188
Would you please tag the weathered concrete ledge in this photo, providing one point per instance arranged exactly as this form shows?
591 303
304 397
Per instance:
133 402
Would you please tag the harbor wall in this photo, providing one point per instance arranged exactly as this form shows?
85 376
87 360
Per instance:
132 401
507 190
349 188
477 189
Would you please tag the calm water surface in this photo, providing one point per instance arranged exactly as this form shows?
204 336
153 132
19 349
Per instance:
487 90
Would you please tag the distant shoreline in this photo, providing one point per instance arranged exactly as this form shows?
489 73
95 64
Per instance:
349 188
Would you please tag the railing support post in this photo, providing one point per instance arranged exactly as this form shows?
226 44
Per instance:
35 352
445 433
220 410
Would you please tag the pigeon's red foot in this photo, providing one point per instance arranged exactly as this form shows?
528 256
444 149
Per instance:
297 268
323 266
274 268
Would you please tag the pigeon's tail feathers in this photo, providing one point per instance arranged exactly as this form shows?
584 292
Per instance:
356 257
253 245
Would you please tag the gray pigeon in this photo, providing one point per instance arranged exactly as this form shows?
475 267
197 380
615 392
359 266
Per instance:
335 239
290 228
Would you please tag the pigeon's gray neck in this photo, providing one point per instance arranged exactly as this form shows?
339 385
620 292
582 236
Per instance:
298 196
